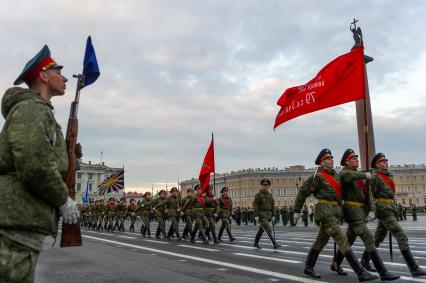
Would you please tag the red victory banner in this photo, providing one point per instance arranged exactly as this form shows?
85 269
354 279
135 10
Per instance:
340 81
208 167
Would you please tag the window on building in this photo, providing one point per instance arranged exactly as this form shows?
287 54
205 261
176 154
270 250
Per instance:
416 191
79 175
422 178
403 201
408 189
414 178
400 178
417 201
78 188
90 188
401 188
90 176
408 179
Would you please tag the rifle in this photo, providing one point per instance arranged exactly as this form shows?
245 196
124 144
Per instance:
71 234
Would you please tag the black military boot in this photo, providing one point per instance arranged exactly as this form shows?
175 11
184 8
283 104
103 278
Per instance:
178 237
363 275
132 227
385 275
365 261
231 238
143 230
149 232
311 259
163 231
209 237
157 234
257 239
415 269
215 237
204 238
122 227
220 233
336 265
276 245
185 232
193 236
169 234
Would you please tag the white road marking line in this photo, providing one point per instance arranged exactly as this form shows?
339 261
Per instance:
215 262
269 258
273 279
399 264
127 237
183 260
198 248
222 269
402 277
158 242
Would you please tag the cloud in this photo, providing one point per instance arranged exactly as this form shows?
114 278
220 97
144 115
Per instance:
172 72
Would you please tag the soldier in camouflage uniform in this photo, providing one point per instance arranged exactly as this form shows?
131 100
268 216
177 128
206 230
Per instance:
277 215
225 208
326 188
357 205
33 163
132 211
173 210
383 189
284 215
305 215
144 210
91 210
111 214
186 204
264 206
211 212
101 214
160 214
198 203
121 214
291 216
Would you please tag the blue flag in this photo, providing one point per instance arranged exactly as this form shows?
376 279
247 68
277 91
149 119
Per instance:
85 198
90 64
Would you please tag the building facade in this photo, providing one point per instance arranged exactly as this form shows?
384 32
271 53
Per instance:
410 183
91 175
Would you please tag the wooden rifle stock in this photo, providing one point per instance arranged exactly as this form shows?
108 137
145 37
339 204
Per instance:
71 234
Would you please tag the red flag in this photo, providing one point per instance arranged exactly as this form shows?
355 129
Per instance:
208 167
340 81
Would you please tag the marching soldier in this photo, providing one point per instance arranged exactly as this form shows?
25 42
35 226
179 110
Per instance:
225 209
277 215
92 215
145 209
326 188
284 215
305 215
264 206
160 215
238 216
173 210
211 212
111 210
414 212
355 195
198 205
187 210
132 211
291 216
121 214
33 166
383 189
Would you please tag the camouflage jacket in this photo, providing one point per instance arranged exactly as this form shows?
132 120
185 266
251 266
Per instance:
264 204
212 205
382 190
173 204
33 163
186 205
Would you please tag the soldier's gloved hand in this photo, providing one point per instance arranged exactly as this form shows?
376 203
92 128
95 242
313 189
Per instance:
256 218
215 215
368 174
69 212
178 210
273 219
371 216
78 151
296 216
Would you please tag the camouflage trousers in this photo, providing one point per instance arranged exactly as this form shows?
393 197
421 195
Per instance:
199 225
145 220
389 223
225 223
161 222
188 220
332 229
17 262
211 224
174 222
264 223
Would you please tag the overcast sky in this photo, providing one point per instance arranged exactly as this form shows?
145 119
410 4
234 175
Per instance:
173 72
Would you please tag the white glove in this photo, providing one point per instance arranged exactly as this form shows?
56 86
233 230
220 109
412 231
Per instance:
273 219
69 212
215 215
368 174
296 216
178 210
371 216
256 218
142 205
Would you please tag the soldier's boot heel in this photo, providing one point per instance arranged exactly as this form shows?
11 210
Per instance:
415 269
157 234
215 237
274 242
149 232
257 239
193 236
143 230
385 275
132 228
336 265
220 233
365 262
363 275
185 233
231 238
169 234
311 259
178 237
